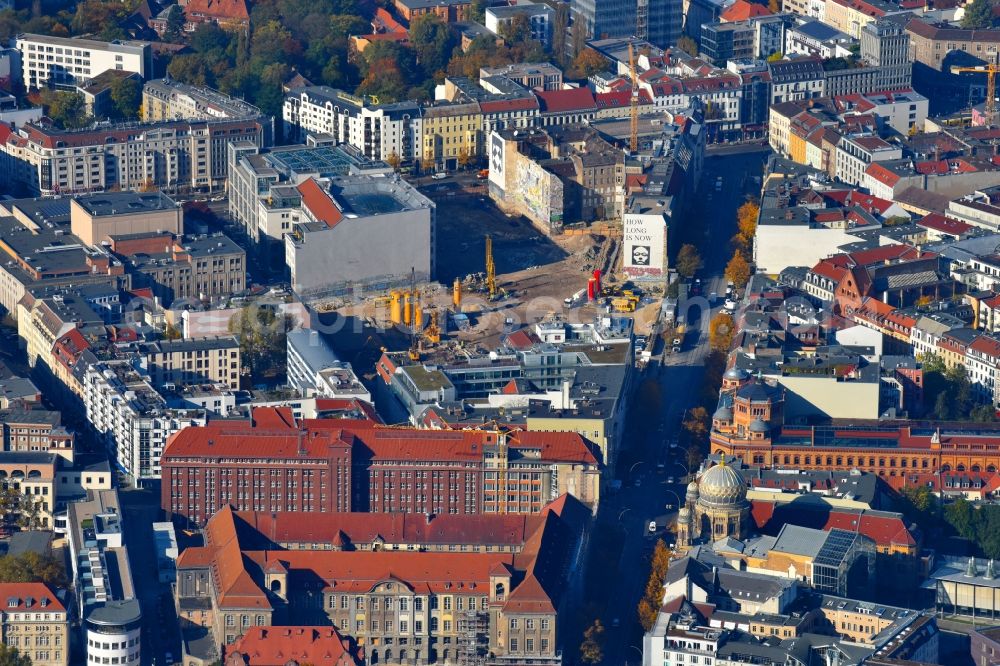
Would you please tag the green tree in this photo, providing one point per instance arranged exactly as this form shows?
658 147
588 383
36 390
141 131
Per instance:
261 334
477 11
190 68
978 15
983 414
960 515
175 24
592 647
11 657
688 260
66 109
126 94
433 42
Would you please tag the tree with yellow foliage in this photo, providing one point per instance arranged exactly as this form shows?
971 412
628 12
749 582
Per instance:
746 217
738 270
720 331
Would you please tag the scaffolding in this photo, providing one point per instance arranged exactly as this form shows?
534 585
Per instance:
473 638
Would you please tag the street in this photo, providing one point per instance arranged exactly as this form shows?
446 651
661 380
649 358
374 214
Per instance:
647 490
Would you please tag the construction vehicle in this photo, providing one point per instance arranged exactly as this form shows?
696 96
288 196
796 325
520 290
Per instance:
626 302
990 71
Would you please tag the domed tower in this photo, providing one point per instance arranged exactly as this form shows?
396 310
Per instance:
734 378
722 509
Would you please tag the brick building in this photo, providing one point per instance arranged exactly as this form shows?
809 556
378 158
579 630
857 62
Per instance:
276 463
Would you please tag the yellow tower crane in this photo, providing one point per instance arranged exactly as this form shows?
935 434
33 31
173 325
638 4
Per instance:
491 270
633 138
991 85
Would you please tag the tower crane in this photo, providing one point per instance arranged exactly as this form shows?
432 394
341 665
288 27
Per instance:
634 102
991 71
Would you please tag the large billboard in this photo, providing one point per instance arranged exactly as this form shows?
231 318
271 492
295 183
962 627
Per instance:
644 251
498 157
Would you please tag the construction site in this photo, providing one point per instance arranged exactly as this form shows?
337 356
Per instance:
496 274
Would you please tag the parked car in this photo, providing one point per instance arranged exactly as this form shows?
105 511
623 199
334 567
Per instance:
440 175
730 304
652 526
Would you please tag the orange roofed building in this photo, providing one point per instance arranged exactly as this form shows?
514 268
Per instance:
414 606
275 462
287 646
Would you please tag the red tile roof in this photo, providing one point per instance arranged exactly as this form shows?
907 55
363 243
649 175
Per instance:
989 347
570 99
279 646
275 434
319 203
30 596
944 224
220 10
741 10
620 99
882 175
504 105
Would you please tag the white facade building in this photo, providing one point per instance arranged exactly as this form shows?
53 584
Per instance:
379 131
46 59
854 154
132 418
315 370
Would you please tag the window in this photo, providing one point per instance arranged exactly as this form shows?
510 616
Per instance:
513 623
513 645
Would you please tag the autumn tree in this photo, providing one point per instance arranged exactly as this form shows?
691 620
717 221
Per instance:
738 270
32 567
688 260
66 109
774 6
393 160
688 45
592 647
696 423
652 599
746 217
720 331
776 56
588 63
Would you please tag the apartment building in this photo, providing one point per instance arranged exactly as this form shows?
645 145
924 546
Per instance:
854 154
173 155
62 60
378 131
452 134
167 99
274 463
35 623
197 268
314 370
192 361
130 418
930 43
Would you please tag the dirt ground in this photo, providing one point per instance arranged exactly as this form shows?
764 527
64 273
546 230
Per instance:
535 273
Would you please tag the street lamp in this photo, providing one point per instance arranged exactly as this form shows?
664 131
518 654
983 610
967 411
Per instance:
679 502
634 465
639 651
624 511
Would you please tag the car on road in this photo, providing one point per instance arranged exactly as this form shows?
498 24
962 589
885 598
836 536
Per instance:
670 479
730 304
673 444
638 483
661 465
712 298
652 526
677 341
676 349
440 175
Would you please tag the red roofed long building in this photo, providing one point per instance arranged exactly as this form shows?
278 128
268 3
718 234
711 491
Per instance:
397 606
281 646
275 463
